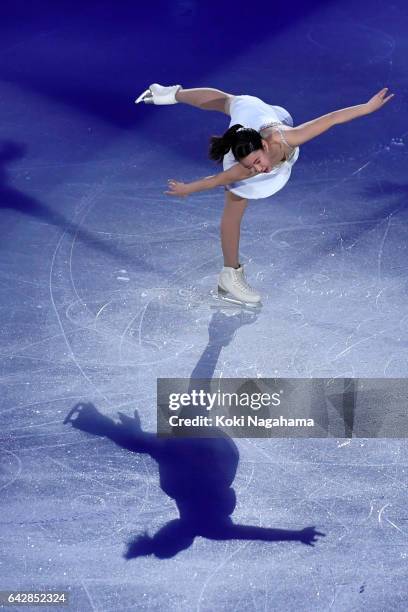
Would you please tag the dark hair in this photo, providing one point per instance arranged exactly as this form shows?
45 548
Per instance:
241 140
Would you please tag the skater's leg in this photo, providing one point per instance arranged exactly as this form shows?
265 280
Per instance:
230 228
232 284
205 98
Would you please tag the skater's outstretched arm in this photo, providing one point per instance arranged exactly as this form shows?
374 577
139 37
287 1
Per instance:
302 133
237 172
127 433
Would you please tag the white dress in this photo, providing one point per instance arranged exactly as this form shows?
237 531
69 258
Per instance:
252 112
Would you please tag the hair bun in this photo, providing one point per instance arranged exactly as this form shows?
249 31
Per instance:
239 139
230 134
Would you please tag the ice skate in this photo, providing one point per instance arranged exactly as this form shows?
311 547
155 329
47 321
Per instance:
233 288
159 94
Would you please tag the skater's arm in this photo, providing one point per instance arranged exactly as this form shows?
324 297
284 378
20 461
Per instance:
237 172
307 131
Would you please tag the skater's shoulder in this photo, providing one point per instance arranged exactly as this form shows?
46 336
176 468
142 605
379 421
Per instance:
274 131
270 127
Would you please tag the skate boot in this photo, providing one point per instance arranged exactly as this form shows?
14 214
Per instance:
158 94
233 287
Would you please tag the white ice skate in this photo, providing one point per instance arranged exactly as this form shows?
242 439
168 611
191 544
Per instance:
159 94
233 288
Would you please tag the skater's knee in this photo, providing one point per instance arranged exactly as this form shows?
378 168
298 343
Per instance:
230 195
237 198
215 100
233 198
227 104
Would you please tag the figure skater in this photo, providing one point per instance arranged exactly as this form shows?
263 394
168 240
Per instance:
258 151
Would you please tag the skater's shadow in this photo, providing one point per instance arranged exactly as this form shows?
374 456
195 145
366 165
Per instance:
196 472
12 199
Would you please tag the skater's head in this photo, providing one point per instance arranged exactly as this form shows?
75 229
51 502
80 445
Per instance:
175 536
246 145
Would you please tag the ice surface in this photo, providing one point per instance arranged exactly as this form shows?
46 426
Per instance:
105 286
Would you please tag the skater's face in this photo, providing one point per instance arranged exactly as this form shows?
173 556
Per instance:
258 160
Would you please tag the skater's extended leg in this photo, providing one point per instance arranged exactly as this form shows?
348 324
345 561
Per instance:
230 228
205 98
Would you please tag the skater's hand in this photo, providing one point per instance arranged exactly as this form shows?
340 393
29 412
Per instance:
86 417
378 100
309 535
177 188
132 424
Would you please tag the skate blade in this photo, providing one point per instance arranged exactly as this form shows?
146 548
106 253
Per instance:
223 298
146 97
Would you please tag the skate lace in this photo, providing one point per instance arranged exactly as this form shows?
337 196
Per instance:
242 282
